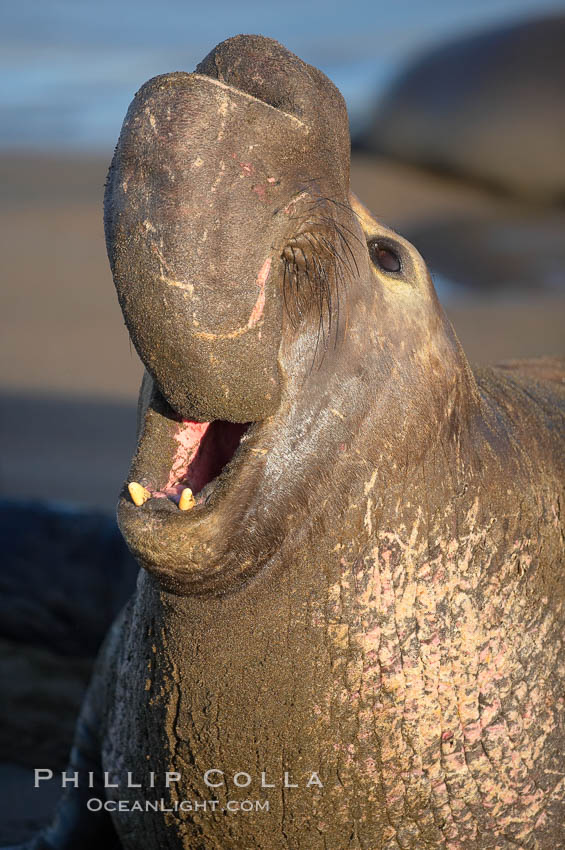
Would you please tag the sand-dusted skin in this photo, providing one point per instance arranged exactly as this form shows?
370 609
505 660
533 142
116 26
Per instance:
360 607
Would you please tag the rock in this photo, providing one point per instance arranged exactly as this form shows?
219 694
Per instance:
24 809
488 107
41 697
66 574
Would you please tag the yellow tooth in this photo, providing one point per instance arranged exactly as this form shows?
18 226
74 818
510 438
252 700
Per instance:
139 494
187 500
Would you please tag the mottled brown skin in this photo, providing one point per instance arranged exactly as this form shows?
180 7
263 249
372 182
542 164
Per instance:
374 589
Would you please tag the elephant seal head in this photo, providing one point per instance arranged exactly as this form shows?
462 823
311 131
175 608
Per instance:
273 314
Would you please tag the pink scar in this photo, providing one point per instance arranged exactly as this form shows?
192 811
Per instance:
257 311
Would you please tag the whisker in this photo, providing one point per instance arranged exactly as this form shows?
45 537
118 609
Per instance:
285 292
319 279
347 207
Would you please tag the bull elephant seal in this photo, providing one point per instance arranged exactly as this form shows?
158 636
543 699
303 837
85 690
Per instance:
350 638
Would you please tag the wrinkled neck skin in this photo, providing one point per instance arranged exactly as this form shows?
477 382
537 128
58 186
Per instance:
387 635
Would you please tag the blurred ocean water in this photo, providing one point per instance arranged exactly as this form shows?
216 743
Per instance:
69 68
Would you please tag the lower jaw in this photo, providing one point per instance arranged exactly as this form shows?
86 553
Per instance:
203 554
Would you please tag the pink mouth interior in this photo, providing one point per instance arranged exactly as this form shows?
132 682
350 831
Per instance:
204 448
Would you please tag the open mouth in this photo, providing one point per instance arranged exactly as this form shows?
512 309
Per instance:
202 452
191 508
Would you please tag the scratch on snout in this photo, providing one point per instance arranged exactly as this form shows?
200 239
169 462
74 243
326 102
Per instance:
260 189
189 287
255 315
370 483
247 168
152 120
218 179
164 266
368 521
294 201
257 311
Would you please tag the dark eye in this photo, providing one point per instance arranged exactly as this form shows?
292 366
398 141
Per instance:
384 257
